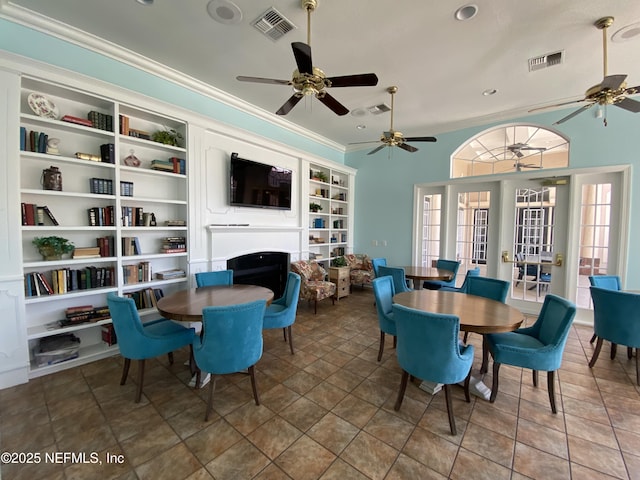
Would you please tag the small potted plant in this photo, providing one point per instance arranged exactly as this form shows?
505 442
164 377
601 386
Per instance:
321 176
315 207
168 136
52 248
339 262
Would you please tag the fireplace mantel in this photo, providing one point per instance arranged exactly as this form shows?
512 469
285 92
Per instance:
251 228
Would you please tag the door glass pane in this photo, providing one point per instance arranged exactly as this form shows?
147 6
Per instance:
472 232
533 242
432 206
595 217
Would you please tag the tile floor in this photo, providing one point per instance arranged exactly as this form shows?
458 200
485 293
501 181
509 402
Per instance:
327 413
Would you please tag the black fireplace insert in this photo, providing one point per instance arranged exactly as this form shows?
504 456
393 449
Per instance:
266 269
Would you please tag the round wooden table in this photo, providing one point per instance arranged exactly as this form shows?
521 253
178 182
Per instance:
187 305
420 274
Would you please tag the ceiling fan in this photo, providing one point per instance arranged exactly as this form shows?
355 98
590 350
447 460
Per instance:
612 91
309 80
393 138
517 149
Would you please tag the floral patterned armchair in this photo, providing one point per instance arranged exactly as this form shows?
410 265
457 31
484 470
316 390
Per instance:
360 268
313 285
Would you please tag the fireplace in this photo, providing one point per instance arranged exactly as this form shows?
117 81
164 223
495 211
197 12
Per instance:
266 269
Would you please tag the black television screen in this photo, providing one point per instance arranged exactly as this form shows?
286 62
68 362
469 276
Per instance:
255 184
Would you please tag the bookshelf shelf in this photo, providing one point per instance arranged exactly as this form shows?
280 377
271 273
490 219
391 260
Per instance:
91 158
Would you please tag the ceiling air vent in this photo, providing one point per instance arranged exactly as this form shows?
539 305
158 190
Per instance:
544 61
273 24
378 109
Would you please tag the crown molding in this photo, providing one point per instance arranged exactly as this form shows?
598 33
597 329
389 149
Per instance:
103 47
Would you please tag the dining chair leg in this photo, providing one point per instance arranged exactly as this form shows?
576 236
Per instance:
535 377
198 375
290 338
381 347
614 349
315 307
596 352
140 380
593 338
403 387
550 388
395 341
494 385
170 355
466 337
467 381
192 361
210 400
252 372
637 366
452 420
629 353
125 371
284 334
485 356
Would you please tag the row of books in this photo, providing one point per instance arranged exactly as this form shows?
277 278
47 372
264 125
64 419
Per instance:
101 186
100 120
86 252
107 246
33 141
137 273
169 274
33 214
131 246
126 189
174 244
64 280
173 165
84 314
132 217
125 129
101 216
145 298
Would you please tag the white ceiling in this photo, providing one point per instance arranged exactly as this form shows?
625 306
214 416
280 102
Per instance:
440 65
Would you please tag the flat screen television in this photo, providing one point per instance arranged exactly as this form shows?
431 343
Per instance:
254 184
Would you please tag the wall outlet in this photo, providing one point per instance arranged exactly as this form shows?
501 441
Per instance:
374 243
384 243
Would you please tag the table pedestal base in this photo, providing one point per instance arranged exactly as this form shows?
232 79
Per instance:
476 387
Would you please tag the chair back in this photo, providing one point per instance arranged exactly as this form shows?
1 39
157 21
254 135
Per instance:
219 277
282 312
231 339
610 282
383 292
452 266
616 316
474 272
553 324
128 327
492 288
398 275
378 262
428 346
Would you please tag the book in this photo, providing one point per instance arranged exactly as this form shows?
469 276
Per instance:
107 153
168 274
50 215
86 252
77 120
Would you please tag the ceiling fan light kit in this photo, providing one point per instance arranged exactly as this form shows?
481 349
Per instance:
308 80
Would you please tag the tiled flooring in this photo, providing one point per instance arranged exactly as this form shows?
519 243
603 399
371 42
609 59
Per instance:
327 412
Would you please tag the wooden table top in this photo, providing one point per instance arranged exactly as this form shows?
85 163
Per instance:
428 273
476 314
187 305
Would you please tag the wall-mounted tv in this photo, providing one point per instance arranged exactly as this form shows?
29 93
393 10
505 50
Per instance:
254 184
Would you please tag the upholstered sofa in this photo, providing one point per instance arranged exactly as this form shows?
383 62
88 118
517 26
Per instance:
360 269
313 282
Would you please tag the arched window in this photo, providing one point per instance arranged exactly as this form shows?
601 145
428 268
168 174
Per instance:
510 148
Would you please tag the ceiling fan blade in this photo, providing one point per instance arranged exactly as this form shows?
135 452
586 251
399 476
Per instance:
612 82
420 139
571 115
359 80
263 80
333 104
407 147
377 149
289 104
361 143
629 104
632 90
302 53
556 105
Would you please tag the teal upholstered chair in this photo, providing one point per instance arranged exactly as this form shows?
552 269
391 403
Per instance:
140 341
428 349
383 292
486 287
452 266
231 342
616 317
282 312
378 262
474 272
219 277
538 347
612 282
399 278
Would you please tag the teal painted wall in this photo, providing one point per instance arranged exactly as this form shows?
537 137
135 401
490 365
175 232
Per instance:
30 43
384 185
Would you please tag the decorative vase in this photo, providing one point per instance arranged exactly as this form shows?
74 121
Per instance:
48 253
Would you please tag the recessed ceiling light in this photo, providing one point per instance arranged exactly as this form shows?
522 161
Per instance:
224 11
361 127
466 13
626 33
490 91
145 2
